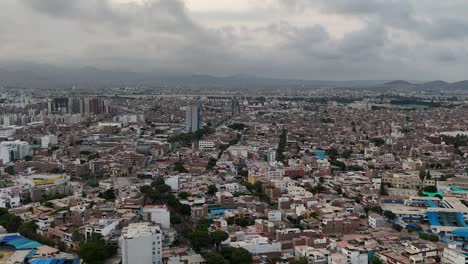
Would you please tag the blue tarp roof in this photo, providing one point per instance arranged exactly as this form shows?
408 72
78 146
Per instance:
321 154
20 242
24 243
461 232
56 261
42 261
6 239
431 204
31 254
433 218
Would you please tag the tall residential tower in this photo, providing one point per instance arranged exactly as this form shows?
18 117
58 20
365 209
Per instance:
193 116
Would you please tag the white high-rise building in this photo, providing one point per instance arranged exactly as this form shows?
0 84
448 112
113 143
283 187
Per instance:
49 140
14 150
158 214
6 132
192 117
141 243
6 120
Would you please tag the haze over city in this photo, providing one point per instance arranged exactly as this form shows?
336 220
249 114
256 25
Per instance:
233 132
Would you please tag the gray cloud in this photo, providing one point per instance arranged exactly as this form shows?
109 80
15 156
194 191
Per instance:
404 39
401 14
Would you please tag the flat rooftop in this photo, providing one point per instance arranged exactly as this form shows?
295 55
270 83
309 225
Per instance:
140 230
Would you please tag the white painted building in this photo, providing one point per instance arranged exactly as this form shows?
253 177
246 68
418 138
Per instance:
158 214
141 243
14 150
229 187
9 200
103 227
110 124
49 140
6 132
355 255
238 151
206 145
258 245
274 215
452 255
376 220
173 182
313 255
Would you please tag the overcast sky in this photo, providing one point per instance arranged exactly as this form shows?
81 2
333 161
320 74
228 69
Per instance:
310 39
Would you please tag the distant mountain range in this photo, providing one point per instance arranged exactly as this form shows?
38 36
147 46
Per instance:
46 76
437 85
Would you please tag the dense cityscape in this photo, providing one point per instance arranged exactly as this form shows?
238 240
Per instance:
338 177
233 132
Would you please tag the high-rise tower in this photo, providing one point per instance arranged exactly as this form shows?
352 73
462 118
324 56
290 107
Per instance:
193 116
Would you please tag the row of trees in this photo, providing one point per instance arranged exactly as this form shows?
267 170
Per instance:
229 256
204 241
201 239
457 141
95 250
186 138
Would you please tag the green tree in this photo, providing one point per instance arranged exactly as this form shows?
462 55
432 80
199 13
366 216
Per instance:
211 164
339 190
184 195
301 260
430 237
95 250
422 176
212 189
10 170
243 222
179 167
378 141
11 222
218 236
237 255
431 189
376 260
389 215
200 239
185 209
214 258
243 173
108 194
175 219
